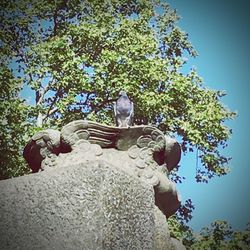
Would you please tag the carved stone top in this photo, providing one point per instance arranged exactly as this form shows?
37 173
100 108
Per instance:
143 151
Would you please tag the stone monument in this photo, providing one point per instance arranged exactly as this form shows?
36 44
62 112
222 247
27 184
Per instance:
141 151
94 187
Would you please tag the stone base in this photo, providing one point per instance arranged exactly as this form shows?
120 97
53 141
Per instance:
91 205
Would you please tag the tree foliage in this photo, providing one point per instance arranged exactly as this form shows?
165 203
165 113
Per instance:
219 235
178 223
77 55
13 125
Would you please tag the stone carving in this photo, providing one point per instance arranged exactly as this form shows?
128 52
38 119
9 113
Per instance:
42 149
142 151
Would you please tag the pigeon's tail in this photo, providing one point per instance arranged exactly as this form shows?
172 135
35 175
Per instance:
125 122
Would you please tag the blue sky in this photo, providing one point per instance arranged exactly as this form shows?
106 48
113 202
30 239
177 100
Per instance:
220 32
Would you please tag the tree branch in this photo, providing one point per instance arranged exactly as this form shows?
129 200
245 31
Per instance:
104 102
52 110
55 22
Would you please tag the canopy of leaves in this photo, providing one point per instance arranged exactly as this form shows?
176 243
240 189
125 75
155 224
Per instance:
219 235
77 55
13 126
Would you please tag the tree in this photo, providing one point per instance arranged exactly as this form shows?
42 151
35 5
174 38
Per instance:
13 125
219 235
77 55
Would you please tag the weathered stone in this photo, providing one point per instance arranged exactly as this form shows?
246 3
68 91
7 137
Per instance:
172 153
138 147
41 145
91 205
140 164
161 232
103 188
151 178
133 152
177 245
97 149
166 150
143 141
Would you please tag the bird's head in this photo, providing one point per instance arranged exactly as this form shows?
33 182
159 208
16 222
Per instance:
122 93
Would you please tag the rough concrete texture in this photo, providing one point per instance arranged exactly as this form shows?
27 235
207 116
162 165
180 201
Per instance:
149 154
86 205
162 238
136 162
177 244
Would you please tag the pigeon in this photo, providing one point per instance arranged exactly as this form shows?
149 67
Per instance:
124 110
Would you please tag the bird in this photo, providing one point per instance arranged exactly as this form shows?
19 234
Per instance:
124 110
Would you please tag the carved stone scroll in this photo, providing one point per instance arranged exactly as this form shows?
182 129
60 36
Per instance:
143 151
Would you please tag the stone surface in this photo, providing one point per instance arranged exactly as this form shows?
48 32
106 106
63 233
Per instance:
142 150
162 240
141 166
98 187
165 150
91 205
42 144
177 245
